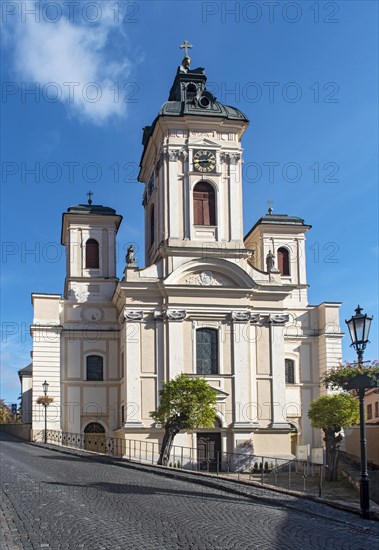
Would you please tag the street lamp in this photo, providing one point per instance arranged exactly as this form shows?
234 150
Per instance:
359 328
45 386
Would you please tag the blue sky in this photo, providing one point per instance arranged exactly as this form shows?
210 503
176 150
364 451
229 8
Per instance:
80 80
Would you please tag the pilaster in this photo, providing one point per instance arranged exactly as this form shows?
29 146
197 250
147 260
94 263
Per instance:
278 386
132 340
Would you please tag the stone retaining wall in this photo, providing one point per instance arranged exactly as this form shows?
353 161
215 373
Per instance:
18 430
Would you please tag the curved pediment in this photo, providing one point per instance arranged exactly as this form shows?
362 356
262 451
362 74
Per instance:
213 273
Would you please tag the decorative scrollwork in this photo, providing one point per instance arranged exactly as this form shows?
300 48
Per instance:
244 316
279 319
133 315
173 154
232 158
176 315
206 278
241 315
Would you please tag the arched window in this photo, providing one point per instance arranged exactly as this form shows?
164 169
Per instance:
191 91
152 226
290 371
204 211
94 428
92 254
206 351
94 368
283 261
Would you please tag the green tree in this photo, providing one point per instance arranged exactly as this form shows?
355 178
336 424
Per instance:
6 415
185 404
331 413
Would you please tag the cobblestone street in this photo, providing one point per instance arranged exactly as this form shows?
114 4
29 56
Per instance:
60 501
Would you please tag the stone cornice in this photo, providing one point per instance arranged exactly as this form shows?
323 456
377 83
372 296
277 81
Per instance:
205 250
38 327
225 314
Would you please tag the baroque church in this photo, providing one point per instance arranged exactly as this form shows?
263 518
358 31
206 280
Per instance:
210 302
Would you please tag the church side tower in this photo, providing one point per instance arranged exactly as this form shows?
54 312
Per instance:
89 235
75 339
191 167
90 368
281 239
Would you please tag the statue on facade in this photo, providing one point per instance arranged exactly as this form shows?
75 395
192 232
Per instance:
130 259
270 262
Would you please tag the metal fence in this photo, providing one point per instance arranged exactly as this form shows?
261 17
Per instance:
292 474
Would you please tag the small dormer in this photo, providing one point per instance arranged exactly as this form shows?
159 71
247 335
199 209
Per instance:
281 238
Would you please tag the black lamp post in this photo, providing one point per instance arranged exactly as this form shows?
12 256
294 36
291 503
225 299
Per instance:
45 386
359 328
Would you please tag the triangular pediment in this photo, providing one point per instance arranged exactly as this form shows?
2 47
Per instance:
203 142
221 395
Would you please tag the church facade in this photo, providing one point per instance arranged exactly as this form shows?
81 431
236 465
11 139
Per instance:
210 302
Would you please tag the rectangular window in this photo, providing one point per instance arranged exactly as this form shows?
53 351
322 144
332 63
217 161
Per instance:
94 368
122 414
290 371
369 412
206 351
376 408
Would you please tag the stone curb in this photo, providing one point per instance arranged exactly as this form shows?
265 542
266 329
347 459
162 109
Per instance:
221 482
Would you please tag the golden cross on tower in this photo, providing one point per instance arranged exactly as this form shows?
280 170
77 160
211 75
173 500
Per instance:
89 195
185 45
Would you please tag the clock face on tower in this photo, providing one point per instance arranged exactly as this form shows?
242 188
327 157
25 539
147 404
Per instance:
204 161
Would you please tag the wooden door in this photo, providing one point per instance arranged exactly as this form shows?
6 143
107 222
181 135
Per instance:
209 451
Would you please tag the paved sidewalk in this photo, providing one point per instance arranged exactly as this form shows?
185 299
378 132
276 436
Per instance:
302 502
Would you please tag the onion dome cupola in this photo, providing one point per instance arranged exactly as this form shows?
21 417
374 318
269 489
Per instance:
189 96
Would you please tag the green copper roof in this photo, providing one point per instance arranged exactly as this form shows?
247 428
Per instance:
189 96
213 109
278 219
96 209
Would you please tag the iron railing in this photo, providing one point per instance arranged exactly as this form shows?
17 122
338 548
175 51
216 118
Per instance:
274 471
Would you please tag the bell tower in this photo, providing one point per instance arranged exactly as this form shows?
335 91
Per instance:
89 235
192 170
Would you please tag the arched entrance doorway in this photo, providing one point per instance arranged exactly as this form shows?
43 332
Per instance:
209 449
94 437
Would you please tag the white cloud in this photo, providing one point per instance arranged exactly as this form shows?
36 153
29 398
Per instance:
73 64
